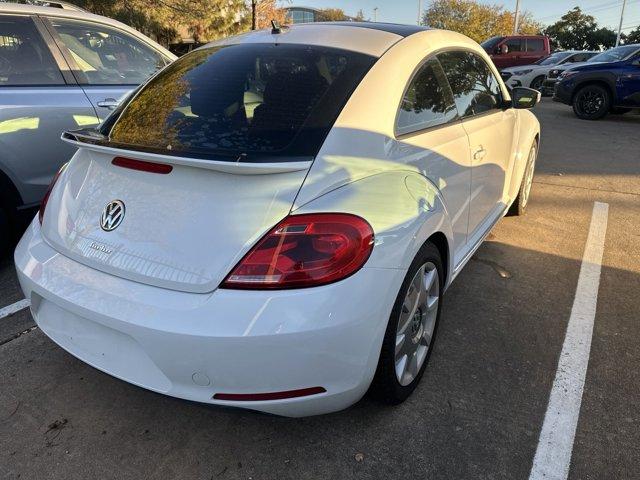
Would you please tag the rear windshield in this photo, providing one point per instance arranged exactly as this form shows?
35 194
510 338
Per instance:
250 102
554 58
615 54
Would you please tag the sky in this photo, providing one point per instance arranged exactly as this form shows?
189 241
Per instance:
606 12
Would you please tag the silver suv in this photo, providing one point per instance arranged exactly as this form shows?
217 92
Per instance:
60 69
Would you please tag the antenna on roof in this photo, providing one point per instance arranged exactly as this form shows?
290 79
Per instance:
275 27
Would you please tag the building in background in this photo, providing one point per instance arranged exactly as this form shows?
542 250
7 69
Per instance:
303 14
309 14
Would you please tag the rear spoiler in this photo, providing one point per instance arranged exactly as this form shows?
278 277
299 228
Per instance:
93 140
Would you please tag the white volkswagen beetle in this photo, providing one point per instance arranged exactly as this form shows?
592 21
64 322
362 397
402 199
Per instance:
272 220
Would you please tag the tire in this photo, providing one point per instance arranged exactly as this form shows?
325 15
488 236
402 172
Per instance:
591 102
6 232
419 329
519 205
536 83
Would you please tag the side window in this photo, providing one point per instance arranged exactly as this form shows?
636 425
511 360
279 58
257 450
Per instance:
107 56
427 102
514 44
25 58
475 89
535 45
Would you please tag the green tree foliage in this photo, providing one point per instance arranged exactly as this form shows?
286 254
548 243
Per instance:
578 31
475 20
332 15
360 16
633 36
163 19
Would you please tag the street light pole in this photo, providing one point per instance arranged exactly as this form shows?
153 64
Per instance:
516 18
375 14
624 3
419 11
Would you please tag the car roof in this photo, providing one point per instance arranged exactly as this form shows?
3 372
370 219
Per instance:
364 37
21 9
397 28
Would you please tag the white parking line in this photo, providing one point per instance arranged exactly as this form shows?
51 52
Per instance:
16 307
553 455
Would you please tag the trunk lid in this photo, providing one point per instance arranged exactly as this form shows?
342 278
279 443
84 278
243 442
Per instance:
184 230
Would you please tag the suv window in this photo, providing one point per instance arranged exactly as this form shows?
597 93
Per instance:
475 88
244 101
514 44
107 56
25 59
535 45
580 57
427 102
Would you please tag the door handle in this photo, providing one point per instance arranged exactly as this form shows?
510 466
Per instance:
109 103
479 154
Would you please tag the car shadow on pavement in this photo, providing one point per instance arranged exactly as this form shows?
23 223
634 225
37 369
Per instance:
476 414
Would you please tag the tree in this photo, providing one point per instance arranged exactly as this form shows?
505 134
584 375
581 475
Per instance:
268 10
162 19
360 16
633 36
475 20
332 15
578 31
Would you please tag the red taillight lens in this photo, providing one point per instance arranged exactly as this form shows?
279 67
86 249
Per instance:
305 251
45 199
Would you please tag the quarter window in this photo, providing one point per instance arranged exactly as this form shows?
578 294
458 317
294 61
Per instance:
535 45
25 59
427 102
107 56
475 89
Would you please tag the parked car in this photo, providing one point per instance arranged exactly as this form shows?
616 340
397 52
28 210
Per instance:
515 50
610 55
594 90
533 75
60 68
272 220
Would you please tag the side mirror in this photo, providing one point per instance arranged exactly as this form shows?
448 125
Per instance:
522 97
504 49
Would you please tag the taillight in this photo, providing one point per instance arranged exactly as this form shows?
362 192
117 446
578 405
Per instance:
305 251
45 199
152 167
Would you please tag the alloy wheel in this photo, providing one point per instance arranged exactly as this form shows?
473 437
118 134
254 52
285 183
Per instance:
536 84
528 176
417 322
591 102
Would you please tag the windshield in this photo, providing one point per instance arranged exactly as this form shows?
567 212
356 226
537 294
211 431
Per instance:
490 44
249 102
554 58
615 54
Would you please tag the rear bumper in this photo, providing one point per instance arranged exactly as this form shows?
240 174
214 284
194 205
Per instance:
193 346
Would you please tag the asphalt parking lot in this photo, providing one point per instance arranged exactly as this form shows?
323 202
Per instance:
479 410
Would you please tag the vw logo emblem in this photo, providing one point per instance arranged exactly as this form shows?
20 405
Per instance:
112 215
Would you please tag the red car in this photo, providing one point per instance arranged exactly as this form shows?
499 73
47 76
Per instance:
514 50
